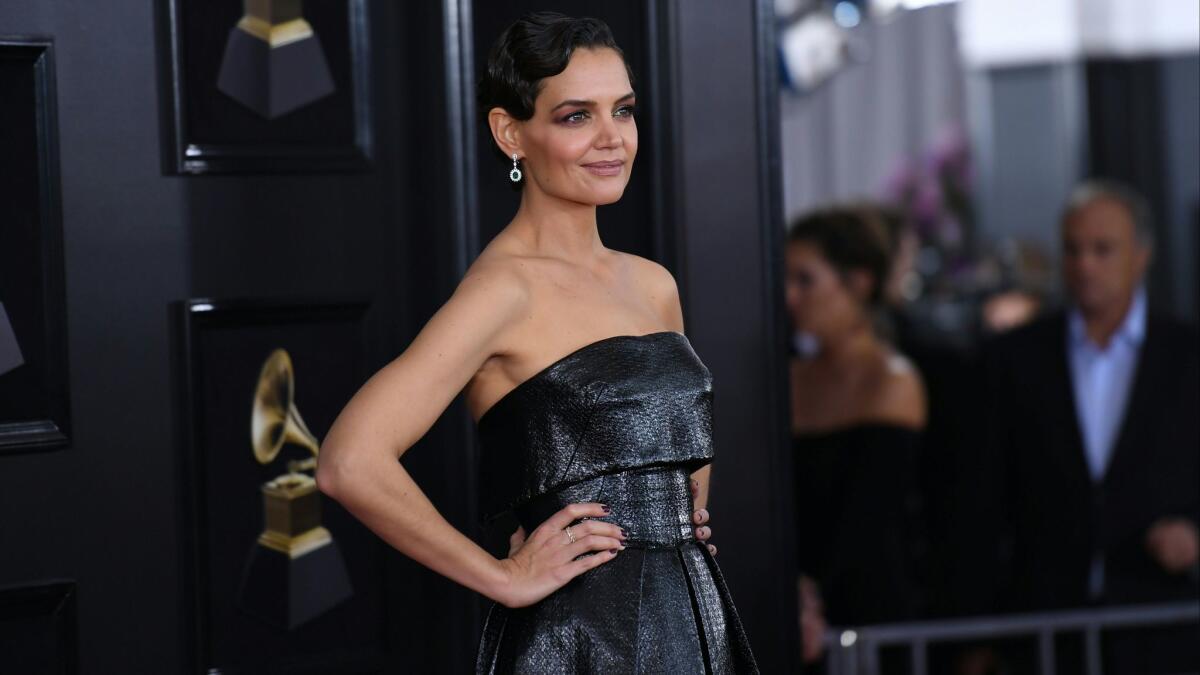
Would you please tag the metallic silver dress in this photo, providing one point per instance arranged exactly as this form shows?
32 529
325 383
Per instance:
623 421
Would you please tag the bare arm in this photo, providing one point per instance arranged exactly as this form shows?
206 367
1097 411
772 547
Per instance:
358 463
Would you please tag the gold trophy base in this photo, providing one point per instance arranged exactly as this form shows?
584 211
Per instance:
295 571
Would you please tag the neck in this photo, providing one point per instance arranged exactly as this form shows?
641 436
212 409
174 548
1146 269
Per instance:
1101 323
557 228
849 344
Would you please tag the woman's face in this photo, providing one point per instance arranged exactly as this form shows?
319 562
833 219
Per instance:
819 301
580 143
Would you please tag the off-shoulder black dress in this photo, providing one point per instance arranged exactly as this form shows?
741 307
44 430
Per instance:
623 421
854 488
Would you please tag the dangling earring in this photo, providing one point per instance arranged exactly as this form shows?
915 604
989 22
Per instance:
515 174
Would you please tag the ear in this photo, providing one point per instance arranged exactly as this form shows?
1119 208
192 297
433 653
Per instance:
860 282
506 131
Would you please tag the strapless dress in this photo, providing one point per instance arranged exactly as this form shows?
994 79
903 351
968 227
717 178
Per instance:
623 421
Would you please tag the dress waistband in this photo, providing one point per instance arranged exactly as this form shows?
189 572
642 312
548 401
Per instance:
653 504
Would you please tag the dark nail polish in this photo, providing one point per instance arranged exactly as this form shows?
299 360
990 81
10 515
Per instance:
624 533
606 508
612 550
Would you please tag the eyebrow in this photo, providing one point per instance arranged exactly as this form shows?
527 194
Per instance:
585 103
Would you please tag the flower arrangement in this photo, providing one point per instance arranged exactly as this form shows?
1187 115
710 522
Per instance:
935 192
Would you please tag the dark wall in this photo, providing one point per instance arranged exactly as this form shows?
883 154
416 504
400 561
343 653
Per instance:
105 513
730 227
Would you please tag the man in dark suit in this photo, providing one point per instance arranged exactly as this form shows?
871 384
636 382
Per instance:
1089 470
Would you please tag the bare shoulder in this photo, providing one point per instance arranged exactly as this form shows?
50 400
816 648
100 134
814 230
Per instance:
491 296
900 393
496 277
660 288
437 364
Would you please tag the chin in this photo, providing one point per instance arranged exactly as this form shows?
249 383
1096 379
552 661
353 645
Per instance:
601 195
606 198
1092 302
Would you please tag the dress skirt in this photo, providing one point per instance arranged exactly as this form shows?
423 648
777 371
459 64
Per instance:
660 606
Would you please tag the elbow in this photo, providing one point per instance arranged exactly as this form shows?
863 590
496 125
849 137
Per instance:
331 472
344 469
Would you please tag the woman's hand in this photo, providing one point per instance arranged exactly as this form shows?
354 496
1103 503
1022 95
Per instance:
545 561
700 517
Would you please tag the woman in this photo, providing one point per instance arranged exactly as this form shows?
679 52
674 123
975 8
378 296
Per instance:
858 408
593 411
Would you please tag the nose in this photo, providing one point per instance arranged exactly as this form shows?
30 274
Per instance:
608 135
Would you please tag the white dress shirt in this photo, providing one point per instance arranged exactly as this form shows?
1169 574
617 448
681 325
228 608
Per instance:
1102 378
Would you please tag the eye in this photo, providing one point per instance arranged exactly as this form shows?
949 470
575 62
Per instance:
625 111
575 117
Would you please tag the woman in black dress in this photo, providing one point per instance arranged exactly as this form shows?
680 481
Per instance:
593 411
858 409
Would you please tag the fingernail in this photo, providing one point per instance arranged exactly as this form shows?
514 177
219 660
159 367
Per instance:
624 533
606 508
612 551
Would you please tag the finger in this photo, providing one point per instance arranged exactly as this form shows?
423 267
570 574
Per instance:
599 527
577 567
695 488
712 549
592 542
703 533
572 512
700 516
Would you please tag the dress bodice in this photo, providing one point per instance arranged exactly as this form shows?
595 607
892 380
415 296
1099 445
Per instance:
618 403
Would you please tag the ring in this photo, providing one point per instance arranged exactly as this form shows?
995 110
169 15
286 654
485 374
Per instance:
570 536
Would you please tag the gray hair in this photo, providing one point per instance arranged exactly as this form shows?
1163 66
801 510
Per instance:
1139 209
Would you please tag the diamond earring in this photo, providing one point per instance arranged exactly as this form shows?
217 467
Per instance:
515 174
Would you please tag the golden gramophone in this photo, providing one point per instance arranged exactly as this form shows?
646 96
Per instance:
295 571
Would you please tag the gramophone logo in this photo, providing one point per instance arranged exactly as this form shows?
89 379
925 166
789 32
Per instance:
295 571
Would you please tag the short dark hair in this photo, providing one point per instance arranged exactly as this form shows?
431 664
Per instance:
1103 188
536 46
849 239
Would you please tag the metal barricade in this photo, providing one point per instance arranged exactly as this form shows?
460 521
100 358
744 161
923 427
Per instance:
855 651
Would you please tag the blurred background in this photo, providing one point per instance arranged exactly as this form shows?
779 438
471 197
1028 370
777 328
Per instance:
940 256
955 156
978 118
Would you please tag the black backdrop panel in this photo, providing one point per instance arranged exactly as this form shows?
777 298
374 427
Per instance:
627 225
224 346
213 117
216 133
33 395
38 629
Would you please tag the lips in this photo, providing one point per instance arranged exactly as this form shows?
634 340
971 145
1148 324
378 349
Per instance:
610 167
